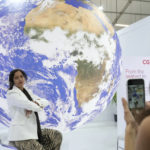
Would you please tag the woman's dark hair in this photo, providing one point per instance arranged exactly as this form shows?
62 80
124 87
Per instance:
11 77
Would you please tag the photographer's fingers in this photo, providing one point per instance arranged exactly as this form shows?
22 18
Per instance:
127 114
140 113
147 105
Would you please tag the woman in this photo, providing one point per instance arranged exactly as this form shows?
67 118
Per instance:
25 131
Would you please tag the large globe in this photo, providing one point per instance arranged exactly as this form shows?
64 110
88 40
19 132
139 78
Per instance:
70 53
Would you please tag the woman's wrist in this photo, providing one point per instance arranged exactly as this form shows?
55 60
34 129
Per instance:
36 103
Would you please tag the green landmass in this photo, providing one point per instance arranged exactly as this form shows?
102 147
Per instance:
87 39
38 31
97 44
86 70
75 53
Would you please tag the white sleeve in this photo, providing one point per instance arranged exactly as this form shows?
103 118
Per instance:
15 99
41 101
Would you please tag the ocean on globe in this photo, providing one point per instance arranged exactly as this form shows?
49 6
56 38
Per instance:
70 52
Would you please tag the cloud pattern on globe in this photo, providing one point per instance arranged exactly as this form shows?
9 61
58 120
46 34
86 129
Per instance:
70 53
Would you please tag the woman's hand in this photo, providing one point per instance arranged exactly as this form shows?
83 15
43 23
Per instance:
37 104
28 112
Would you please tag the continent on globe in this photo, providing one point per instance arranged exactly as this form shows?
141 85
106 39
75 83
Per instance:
68 18
74 20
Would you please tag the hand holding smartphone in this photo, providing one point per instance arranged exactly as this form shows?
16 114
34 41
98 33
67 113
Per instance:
136 94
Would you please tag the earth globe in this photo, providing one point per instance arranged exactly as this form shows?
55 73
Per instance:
70 52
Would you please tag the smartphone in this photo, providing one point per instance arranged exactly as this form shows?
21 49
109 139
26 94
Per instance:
136 93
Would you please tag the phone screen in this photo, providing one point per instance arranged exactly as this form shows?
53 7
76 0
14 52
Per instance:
136 93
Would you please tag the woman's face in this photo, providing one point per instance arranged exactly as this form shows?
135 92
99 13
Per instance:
19 80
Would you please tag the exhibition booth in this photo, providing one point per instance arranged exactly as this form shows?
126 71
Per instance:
135 45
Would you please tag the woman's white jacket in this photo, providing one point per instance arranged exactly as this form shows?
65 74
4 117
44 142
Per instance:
23 127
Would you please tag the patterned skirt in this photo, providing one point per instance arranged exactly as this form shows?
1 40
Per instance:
51 140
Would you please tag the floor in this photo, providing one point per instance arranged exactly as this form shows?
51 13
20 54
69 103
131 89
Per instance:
93 136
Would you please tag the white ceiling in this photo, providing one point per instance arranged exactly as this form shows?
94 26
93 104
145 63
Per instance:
124 11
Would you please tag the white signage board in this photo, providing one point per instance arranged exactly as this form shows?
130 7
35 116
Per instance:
133 67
